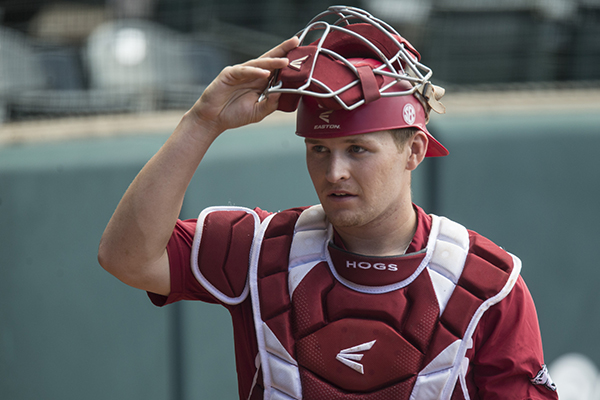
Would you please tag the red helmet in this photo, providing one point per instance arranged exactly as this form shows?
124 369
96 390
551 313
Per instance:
356 78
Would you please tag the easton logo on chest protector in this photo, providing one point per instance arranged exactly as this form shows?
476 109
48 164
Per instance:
350 358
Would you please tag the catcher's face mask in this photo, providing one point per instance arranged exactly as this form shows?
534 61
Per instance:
358 76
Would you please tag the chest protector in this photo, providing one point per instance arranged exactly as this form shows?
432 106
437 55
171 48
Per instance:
323 336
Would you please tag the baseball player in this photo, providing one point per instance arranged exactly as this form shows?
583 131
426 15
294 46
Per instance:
365 295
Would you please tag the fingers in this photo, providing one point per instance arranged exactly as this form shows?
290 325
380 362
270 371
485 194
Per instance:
258 70
234 98
282 49
262 67
269 64
241 74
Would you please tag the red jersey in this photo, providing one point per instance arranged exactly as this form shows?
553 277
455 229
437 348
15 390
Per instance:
506 352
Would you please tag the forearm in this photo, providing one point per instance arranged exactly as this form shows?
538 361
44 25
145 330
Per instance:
133 247
140 228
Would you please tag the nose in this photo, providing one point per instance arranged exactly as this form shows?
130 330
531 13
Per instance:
337 168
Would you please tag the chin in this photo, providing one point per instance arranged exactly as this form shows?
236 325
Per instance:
344 219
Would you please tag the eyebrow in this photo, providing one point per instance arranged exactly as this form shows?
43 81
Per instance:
349 139
310 141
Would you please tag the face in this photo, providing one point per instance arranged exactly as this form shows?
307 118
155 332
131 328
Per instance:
361 180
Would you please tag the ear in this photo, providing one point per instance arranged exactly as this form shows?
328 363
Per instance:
417 146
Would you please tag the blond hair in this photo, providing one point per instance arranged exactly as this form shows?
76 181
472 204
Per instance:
402 135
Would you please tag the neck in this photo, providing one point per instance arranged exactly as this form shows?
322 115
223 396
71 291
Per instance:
382 238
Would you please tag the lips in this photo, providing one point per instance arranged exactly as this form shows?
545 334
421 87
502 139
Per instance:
340 195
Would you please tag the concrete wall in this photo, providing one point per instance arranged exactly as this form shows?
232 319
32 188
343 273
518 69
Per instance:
69 330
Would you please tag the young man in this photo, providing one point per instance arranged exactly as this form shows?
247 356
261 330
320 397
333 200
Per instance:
364 296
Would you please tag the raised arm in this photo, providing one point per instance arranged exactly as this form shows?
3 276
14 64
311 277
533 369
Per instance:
133 246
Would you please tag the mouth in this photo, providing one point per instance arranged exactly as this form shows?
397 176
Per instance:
340 195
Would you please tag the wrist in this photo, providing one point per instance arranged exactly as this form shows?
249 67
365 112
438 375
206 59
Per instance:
198 128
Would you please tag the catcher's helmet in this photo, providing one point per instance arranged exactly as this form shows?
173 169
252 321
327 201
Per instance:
359 76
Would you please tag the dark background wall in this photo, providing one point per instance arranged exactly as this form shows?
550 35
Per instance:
69 330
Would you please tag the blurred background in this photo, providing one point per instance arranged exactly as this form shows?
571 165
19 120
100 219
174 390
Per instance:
90 89
91 57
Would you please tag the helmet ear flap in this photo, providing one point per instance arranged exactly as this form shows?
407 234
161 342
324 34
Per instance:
288 102
295 75
298 70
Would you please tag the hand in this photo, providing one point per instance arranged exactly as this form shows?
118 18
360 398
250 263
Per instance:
231 100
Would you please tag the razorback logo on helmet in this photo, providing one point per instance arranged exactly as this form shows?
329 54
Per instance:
368 265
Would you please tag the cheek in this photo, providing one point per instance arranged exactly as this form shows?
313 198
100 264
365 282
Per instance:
382 173
313 170
386 179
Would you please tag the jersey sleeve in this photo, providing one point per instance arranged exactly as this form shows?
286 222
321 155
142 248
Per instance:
183 284
507 351
211 258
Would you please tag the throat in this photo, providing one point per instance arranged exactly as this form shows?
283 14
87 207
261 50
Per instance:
378 242
377 248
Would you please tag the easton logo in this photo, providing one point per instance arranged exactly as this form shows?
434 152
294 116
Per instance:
326 126
349 358
368 265
325 115
297 64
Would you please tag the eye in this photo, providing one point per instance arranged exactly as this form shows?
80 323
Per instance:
356 149
318 149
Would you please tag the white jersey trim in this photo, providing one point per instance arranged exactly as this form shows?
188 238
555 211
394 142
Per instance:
254 296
